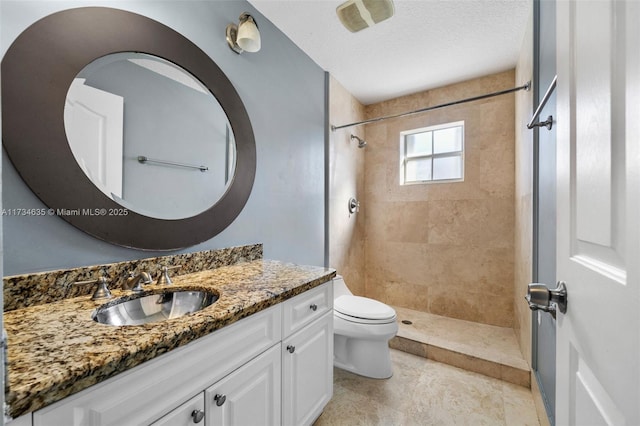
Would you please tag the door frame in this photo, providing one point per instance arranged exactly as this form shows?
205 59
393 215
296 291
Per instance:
535 207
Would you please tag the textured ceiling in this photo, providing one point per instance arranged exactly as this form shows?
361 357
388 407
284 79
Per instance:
426 44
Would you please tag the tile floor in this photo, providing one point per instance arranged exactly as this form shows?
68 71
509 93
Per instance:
446 372
424 392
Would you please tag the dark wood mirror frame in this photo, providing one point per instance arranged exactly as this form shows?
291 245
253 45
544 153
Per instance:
37 71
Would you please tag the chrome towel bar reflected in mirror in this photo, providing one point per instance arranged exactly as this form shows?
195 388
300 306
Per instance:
142 159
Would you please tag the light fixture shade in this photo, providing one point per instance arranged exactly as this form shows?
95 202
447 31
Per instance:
248 37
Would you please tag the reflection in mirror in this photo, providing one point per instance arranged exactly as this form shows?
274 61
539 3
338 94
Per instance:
149 135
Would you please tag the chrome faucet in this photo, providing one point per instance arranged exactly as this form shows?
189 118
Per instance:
134 282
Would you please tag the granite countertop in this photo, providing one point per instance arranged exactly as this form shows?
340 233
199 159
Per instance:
56 349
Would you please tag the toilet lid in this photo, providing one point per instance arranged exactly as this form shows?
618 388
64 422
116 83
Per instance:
363 307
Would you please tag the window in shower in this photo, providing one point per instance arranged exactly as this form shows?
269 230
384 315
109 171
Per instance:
434 153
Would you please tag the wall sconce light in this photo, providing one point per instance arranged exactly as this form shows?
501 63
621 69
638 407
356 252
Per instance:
244 36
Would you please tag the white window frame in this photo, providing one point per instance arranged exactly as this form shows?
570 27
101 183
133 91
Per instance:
432 156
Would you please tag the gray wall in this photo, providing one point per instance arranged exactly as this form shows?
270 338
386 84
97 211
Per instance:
283 91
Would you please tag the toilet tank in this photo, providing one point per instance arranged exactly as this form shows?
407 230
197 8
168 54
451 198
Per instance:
340 287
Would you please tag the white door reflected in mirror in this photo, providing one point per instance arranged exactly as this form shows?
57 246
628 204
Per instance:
93 120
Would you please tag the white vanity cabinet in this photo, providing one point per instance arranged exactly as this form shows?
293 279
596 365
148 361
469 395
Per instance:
274 367
148 392
307 372
307 355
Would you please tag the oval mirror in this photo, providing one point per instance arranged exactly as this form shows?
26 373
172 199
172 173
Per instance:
136 122
38 70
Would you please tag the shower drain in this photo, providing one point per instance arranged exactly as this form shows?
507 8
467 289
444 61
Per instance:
407 322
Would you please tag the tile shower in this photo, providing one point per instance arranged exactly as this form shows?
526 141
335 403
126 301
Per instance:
441 248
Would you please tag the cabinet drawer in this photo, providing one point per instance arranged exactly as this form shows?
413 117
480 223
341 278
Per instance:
306 307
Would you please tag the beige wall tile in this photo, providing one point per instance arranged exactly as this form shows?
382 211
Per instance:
472 305
402 263
398 221
400 294
478 223
346 180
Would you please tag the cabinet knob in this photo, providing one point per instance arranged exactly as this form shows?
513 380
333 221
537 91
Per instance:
219 399
313 307
197 415
291 349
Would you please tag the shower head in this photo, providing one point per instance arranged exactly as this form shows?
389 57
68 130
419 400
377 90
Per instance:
361 143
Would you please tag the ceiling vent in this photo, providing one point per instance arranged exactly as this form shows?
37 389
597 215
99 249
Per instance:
357 15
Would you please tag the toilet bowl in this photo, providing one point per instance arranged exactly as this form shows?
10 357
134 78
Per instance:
362 328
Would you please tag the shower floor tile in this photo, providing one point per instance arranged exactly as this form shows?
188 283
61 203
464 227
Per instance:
424 392
482 348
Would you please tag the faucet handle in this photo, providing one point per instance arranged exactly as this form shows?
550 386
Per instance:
163 276
102 291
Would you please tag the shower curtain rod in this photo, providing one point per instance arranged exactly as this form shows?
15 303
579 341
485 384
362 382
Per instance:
461 101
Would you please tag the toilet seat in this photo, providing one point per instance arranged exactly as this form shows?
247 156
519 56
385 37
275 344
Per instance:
363 310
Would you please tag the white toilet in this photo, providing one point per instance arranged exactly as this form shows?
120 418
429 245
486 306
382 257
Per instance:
362 329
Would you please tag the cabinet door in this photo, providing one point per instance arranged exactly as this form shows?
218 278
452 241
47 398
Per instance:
188 414
307 372
248 396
